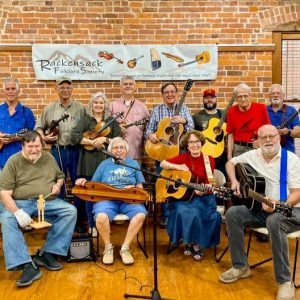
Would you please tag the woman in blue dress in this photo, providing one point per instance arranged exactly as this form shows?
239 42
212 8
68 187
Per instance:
196 222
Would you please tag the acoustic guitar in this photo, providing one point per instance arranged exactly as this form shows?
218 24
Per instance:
202 58
11 136
215 134
168 133
175 185
252 188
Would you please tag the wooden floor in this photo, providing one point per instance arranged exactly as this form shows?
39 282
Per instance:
180 277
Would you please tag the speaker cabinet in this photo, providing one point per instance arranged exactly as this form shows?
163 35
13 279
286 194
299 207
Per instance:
81 249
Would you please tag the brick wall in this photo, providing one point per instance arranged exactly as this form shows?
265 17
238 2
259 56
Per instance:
143 22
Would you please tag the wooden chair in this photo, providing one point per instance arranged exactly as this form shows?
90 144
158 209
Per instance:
291 236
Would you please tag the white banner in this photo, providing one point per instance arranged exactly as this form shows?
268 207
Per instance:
110 62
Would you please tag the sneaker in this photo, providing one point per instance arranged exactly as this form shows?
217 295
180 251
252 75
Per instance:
188 250
127 257
108 256
30 273
286 291
234 274
47 260
198 254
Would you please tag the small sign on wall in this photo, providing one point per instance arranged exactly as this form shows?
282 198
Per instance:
111 62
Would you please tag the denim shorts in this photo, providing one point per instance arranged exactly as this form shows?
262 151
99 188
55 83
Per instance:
115 207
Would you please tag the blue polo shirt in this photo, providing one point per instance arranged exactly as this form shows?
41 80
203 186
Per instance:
277 118
23 118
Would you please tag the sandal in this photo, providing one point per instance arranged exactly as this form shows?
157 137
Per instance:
188 250
198 255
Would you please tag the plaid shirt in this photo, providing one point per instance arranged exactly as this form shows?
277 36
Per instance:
163 111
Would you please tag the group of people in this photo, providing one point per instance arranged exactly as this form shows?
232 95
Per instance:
257 135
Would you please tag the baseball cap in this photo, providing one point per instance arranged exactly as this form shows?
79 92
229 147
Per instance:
60 80
209 92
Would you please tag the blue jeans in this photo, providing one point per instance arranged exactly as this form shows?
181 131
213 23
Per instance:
68 163
237 217
59 213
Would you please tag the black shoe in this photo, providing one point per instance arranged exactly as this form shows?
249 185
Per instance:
30 273
47 260
263 238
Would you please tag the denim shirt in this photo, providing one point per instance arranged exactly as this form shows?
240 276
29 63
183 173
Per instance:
23 118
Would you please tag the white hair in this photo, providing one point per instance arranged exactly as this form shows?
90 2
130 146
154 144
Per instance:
10 79
241 86
117 140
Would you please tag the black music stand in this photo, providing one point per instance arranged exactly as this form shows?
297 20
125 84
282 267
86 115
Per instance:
155 295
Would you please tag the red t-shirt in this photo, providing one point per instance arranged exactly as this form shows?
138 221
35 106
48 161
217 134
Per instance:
195 164
245 124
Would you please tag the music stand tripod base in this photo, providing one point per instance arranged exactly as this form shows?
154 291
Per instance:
39 225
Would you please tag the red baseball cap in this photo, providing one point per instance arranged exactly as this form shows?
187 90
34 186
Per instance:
209 92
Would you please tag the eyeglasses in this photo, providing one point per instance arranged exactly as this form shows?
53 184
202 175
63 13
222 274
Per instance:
118 147
194 142
268 137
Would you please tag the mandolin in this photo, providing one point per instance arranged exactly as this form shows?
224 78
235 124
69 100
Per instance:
215 134
11 136
168 133
175 185
132 62
53 127
141 122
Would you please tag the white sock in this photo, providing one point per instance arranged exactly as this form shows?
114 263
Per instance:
108 246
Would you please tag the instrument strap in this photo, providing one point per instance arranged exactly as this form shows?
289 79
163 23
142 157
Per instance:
283 175
129 109
208 169
61 167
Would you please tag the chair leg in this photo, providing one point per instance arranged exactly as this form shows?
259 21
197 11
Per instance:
218 258
172 247
143 247
248 250
295 264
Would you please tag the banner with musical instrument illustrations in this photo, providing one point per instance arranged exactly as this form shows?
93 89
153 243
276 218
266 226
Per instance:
111 62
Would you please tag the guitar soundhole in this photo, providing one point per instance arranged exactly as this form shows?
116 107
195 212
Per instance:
169 131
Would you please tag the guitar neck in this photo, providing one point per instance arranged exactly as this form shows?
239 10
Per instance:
180 103
290 119
222 120
260 198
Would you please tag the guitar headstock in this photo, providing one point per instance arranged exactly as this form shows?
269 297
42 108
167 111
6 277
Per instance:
284 209
188 85
223 192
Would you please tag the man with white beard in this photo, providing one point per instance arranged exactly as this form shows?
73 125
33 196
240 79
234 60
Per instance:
266 161
278 113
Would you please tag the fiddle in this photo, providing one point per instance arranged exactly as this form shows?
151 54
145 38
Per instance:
102 129
109 56
53 127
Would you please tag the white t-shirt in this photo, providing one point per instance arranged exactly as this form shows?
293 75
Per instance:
271 170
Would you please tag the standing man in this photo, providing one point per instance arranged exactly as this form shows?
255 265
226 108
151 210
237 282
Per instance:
278 113
26 175
202 118
243 121
13 117
169 94
64 152
134 110
266 161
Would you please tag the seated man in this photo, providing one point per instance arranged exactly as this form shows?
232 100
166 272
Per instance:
112 173
266 161
26 175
